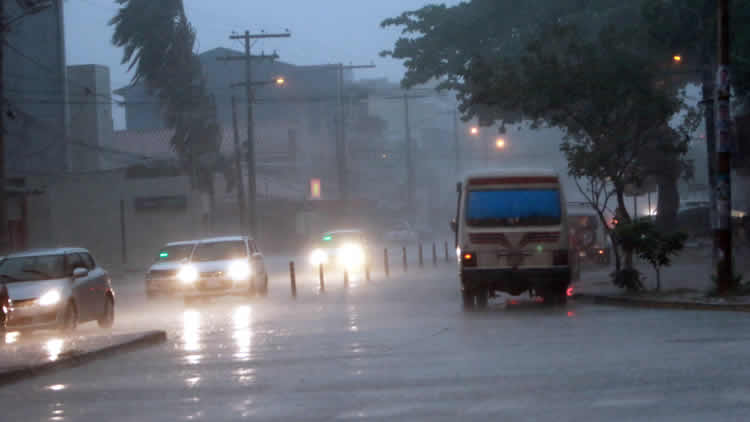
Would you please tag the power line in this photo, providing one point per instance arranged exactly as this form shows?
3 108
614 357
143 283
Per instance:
50 69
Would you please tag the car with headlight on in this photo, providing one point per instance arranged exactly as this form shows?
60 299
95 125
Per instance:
56 289
221 266
161 277
344 250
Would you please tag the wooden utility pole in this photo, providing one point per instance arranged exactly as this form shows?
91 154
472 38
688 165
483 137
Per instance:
410 170
3 193
247 37
411 178
457 144
341 144
724 270
238 167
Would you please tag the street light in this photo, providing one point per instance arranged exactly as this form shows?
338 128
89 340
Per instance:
677 58
474 130
280 80
500 143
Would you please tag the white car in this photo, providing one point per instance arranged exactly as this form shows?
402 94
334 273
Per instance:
342 250
223 266
57 289
161 278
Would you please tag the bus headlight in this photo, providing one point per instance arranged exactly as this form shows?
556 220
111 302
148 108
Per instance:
188 274
318 257
239 270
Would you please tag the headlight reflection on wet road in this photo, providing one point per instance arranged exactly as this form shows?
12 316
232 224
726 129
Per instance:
12 337
54 348
191 335
243 333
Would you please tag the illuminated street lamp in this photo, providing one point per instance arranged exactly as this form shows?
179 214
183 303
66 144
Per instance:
474 130
280 80
500 143
677 58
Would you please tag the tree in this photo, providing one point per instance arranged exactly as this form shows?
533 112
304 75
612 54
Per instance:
454 44
158 43
569 69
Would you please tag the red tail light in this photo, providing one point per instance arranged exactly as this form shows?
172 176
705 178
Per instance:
469 259
560 257
570 292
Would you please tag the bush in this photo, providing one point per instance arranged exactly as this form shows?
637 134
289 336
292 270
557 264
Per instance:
654 246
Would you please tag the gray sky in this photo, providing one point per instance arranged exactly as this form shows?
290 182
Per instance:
323 31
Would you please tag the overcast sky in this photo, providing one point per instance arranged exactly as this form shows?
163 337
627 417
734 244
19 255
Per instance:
323 31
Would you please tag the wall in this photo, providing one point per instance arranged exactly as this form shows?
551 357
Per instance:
84 210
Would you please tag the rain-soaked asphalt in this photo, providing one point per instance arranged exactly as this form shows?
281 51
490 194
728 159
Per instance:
401 349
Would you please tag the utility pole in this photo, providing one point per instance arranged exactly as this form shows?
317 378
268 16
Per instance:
723 233
411 179
3 193
247 37
238 166
457 144
410 170
709 118
341 144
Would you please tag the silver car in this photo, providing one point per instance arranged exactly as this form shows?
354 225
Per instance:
161 278
224 266
57 289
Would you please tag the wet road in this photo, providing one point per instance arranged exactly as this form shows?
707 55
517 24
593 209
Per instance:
401 349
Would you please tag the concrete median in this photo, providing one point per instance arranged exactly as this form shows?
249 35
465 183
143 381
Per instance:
644 302
27 359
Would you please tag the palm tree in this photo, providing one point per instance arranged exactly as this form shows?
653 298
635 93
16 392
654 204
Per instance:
158 43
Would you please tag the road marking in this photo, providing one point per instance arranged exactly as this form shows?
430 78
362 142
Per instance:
379 412
625 402
495 406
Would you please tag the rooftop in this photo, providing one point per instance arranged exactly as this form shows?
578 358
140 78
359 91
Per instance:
224 239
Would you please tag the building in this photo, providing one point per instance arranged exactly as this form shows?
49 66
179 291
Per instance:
91 124
36 116
297 120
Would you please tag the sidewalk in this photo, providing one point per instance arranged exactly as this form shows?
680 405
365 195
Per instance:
684 285
21 358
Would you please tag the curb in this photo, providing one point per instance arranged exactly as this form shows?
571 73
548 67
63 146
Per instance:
150 338
659 304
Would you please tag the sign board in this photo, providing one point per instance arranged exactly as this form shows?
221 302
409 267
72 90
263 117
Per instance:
159 203
315 189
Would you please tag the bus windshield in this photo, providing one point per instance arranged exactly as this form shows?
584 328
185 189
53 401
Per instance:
513 207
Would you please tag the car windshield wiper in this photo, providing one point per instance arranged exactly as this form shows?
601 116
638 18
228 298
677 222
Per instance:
38 272
8 277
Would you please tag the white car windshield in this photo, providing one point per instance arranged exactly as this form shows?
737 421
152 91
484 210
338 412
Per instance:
174 253
32 268
219 251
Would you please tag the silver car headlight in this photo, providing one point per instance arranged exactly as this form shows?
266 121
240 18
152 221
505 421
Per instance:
318 257
49 298
188 274
239 270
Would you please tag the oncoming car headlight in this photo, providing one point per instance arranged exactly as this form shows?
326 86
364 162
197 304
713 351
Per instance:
239 270
318 256
188 274
351 255
50 298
